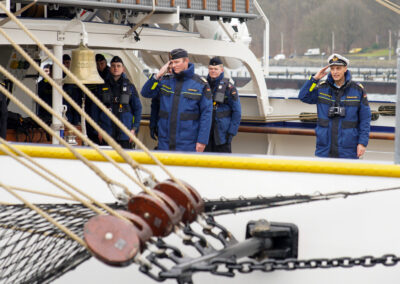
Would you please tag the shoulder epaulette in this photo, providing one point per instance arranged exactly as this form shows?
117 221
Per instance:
358 86
323 82
200 79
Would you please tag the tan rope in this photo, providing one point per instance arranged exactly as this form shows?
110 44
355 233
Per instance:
114 119
17 13
62 141
72 102
42 193
22 154
68 232
89 205
393 4
38 100
387 4
74 196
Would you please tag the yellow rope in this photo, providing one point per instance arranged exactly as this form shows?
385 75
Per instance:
94 99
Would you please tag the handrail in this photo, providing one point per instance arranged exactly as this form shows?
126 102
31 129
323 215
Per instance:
305 132
229 161
162 7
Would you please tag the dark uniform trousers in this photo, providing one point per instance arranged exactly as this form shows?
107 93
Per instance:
212 147
3 116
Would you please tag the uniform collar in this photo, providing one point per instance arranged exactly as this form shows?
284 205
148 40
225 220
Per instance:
215 82
347 78
186 74
119 81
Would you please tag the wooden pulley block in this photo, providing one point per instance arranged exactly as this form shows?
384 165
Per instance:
189 202
144 231
161 215
195 194
111 239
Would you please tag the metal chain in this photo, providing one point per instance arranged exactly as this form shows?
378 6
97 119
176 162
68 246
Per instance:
227 267
270 265
218 232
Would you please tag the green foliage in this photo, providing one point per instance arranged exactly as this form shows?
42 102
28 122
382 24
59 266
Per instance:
372 52
375 46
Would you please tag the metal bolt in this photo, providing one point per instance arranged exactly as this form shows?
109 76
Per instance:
109 236
146 215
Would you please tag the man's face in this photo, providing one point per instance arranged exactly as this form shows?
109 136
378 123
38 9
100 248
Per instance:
337 72
116 68
215 71
101 65
46 70
180 64
67 63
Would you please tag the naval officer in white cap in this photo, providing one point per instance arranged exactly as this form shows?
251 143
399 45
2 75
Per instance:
344 115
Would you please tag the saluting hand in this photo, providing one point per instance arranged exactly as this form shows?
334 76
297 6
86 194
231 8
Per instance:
321 73
163 70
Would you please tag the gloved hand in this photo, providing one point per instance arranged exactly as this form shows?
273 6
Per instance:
154 132
229 138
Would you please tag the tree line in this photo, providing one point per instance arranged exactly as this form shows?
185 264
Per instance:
304 24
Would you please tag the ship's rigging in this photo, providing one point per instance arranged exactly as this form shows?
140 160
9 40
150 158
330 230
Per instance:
40 242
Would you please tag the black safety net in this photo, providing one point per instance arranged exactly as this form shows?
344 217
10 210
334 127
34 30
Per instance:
32 250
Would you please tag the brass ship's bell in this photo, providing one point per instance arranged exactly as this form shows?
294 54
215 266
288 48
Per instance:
83 66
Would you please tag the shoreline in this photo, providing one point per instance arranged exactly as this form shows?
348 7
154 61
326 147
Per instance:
318 61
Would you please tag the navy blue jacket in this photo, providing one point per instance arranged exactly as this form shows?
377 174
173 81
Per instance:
155 109
185 109
339 136
3 115
227 115
45 92
76 94
129 114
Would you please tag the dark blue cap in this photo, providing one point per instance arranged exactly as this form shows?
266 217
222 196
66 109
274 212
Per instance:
215 61
116 59
66 57
100 57
178 53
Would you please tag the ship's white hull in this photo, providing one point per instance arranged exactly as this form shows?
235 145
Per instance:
351 227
